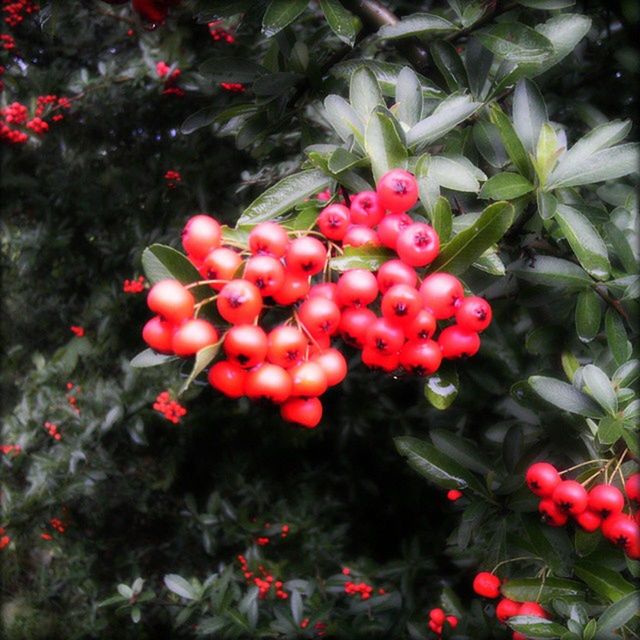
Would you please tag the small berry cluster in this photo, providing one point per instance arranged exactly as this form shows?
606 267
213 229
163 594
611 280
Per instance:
50 103
361 589
71 396
173 178
220 34
13 449
487 585
134 286
2 72
4 538
599 508
15 122
77 330
438 618
172 410
153 12
15 10
7 42
53 430
265 582
170 77
232 87
57 525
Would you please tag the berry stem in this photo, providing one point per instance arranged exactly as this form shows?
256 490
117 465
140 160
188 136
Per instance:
533 558
202 282
583 464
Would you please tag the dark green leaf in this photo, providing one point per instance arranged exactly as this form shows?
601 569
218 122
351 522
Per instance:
161 262
449 64
383 143
281 13
604 581
515 149
564 396
515 42
204 357
441 389
417 24
610 430
225 69
370 258
535 627
532 589
619 613
342 22
150 358
600 388
341 160
588 315
505 186
199 119
464 452
617 336
553 272
486 137
179 586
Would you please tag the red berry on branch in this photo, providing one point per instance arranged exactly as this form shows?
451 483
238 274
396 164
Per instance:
589 521
158 334
542 478
333 364
421 327
532 609
571 497
319 316
333 221
441 293
390 228
421 358
326 290
303 411
457 343
246 345
437 615
268 239
266 273
394 272
506 609
356 288
384 337
418 245
401 304
228 378
487 585
474 314
605 500
201 235
293 289
374 359
354 324
268 381
309 379
306 256
193 335
452 621
397 190
170 300
551 514
632 487
286 346
366 209
454 495
358 235
220 264
239 302
622 530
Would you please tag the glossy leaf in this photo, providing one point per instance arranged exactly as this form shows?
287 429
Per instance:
281 13
515 42
529 113
384 144
150 358
441 389
180 586
344 119
449 64
513 145
462 451
564 396
454 174
553 272
505 186
342 22
535 627
417 24
409 98
370 258
600 388
619 613
617 336
364 92
532 589
203 359
588 315
161 262
604 581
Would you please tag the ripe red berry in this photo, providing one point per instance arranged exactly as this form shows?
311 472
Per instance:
532 609
287 346
333 221
333 364
356 288
385 337
228 378
293 288
171 301
622 530
220 264
366 209
435 627
354 325
266 273
268 381
474 314
326 290
456 342
421 327
397 190
506 609
418 245
542 478
442 294
394 272
158 334
193 335
437 615
390 228
452 621
303 411
320 316
421 358
150 10
306 256
401 304
632 487
571 497
486 585
201 235
358 235
309 379
377 360
239 302
589 520
551 514
605 500
268 239
246 345
454 494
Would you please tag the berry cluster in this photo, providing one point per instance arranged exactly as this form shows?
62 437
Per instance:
77 330
292 362
15 10
487 585
71 396
438 618
265 581
15 123
172 178
7 42
4 538
53 430
170 77
57 525
14 449
134 286
172 410
220 34
599 508
232 87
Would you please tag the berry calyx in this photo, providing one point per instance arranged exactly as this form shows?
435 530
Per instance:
397 190
570 497
401 304
239 302
605 500
418 245
474 314
246 345
542 478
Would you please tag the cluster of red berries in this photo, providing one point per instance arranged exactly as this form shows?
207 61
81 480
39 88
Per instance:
487 585
15 122
265 581
134 286
15 10
71 396
361 589
232 87
173 178
4 538
172 410
47 104
7 42
153 12
293 363
438 618
265 540
57 525
220 34
170 77
13 449
53 430
599 508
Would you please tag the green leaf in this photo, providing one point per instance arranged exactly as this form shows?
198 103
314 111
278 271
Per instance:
364 92
454 174
342 22
564 396
284 195
136 614
275 84
486 137
553 272
370 258
383 143
505 186
180 586
515 42
441 389
514 147
202 118
449 64
442 218
409 100
529 113
547 204
547 151
627 373
619 613
227 69
464 452
417 24
161 262
150 358
548 5
466 247
600 388
535 627
604 581
281 13
424 458
585 241
203 358
534 589
564 32
588 315
449 114
622 248
610 430
617 337
341 160
344 119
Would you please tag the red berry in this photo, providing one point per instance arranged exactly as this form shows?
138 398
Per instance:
333 364
422 327
442 294
377 360
287 346
306 256
158 334
437 615
551 514
268 381
418 245
571 497
542 478
589 520
192 336
293 288
605 500
266 273
506 609
401 304
358 235
421 358
452 621
150 10
632 487
246 345
201 235
456 342
354 324
397 190
454 495
622 530
395 272
532 609
303 411
366 209
220 264
487 585
309 379
171 301
474 314
518 636
239 302
228 378
333 221
268 239
320 316
356 288
435 627
385 337
326 290
390 227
